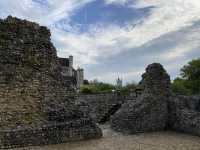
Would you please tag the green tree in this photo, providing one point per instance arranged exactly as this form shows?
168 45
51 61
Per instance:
189 82
179 86
128 88
131 85
97 87
191 71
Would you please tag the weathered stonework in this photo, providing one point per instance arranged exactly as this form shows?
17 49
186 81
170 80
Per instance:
102 106
53 133
32 91
149 111
157 108
37 108
184 114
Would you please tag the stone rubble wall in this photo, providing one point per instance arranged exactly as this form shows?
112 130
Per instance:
184 114
37 109
98 106
149 111
32 90
30 77
49 134
157 108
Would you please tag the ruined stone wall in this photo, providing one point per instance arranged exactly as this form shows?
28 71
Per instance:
99 106
149 111
49 134
30 76
32 91
184 114
157 108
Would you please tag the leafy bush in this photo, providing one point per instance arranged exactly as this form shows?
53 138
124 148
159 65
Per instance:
98 87
189 82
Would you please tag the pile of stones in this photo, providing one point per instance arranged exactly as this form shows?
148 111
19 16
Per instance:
32 92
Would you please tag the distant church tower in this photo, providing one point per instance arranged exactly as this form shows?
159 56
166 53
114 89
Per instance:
119 82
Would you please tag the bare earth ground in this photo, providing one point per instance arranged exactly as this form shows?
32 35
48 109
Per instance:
117 141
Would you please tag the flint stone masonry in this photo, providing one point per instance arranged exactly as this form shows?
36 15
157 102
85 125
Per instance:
32 91
102 106
54 133
157 108
149 111
184 114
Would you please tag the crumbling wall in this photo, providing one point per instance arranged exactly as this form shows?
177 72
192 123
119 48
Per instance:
32 91
184 114
102 106
149 111
52 133
29 73
157 108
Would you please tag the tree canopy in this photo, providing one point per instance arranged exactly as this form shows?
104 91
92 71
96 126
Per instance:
97 87
189 81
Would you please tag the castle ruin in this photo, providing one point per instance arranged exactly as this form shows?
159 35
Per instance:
36 107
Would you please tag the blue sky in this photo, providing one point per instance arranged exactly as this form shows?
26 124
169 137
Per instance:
111 38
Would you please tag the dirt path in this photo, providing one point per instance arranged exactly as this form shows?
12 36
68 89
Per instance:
116 141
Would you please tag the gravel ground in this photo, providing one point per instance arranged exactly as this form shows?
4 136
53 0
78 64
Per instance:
117 141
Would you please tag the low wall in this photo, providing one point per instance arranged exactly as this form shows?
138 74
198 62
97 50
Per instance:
102 106
50 134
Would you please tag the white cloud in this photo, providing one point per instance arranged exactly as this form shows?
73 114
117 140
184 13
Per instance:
45 14
118 2
188 43
167 16
89 45
127 77
106 40
180 51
